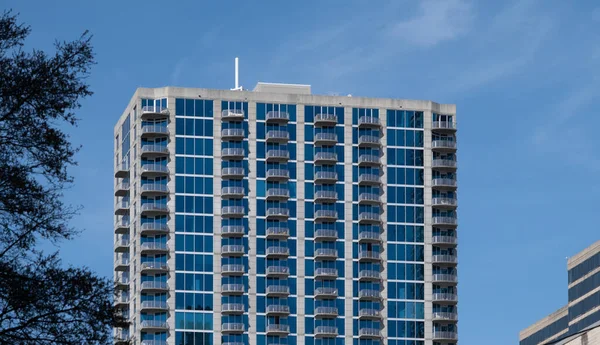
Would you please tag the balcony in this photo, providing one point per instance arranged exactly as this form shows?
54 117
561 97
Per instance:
122 208
153 209
369 295
445 298
278 174
443 164
325 216
154 189
326 177
122 282
121 301
278 252
233 173
326 273
233 153
326 312
444 221
153 325
233 270
232 289
369 275
444 279
278 213
278 290
154 228
369 255
323 120
154 286
443 145
122 170
444 316
278 194
122 265
326 235
277 310
369 333
368 122
369 314
232 250
443 126
326 254
278 155
157 267
369 179
153 131
448 336
443 183
369 237
277 116
233 231
274 136
232 308
325 139
232 192
232 328
232 211
369 141
153 247
150 170
444 259
149 150
154 342
369 199
232 134
368 160
122 189
444 241
369 218
325 196
232 115
326 293
325 158
122 245
278 271
275 232
122 226
444 203
278 329
154 306
326 332
154 112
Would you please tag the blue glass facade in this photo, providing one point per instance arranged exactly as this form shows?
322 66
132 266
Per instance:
268 219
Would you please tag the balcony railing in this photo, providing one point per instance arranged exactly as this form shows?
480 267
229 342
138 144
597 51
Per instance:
277 136
278 174
326 139
326 177
154 266
368 159
369 313
324 272
325 235
442 202
232 133
154 246
368 140
444 316
325 120
232 230
278 251
326 292
154 342
233 269
232 153
369 255
278 193
325 158
443 145
369 275
158 305
155 130
444 259
325 196
122 170
232 327
278 290
441 278
278 155
443 125
154 169
233 250
151 111
232 172
232 114
154 285
232 308
155 208
232 289
443 163
369 236
155 149
367 332
277 116
369 217
232 192
369 198
444 221
368 121
154 227
278 212
278 271
277 232
326 254
122 189
369 294
368 179
232 211
326 331
444 297
444 240
278 309
326 312
153 324
154 188
326 215
275 328
443 182
445 335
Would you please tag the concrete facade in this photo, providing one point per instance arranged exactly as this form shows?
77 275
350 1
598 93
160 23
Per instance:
153 323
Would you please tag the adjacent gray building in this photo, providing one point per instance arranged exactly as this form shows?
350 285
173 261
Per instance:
583 308
275 216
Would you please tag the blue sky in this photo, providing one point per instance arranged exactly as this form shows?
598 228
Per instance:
524 76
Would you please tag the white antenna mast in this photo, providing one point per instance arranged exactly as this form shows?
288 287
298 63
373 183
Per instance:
237 76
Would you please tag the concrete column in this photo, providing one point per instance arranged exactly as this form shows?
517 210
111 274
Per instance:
252 208
217 165
348 255
300 236
428 270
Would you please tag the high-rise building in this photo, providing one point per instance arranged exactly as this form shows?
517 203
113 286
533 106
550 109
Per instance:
583 308
275 216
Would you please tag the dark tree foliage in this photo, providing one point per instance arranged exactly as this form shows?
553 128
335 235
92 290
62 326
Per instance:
41 301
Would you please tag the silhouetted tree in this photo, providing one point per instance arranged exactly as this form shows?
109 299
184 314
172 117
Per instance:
41 301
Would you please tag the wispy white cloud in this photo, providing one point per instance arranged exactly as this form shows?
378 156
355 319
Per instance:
437 21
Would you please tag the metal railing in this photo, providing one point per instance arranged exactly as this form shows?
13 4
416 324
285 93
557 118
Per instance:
278 231
233 249
443 240
329 118
326 311
232 288
153 324
326 175
326 253
277 115
443 182
369 235
278 309
154 246
154 285
159 129
155 168
278 250
326 137
368 139
278 212
369 255
369 120
443 125
368 159
232 133
326 292
232 269
155 188
232 113
154 227
278 154
233 230
278 289
443 144
326 234
278 135
155 207
369 274
154 305
278 173
325 156
328 214
443 202
443 163
155 149
368 178
232 171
